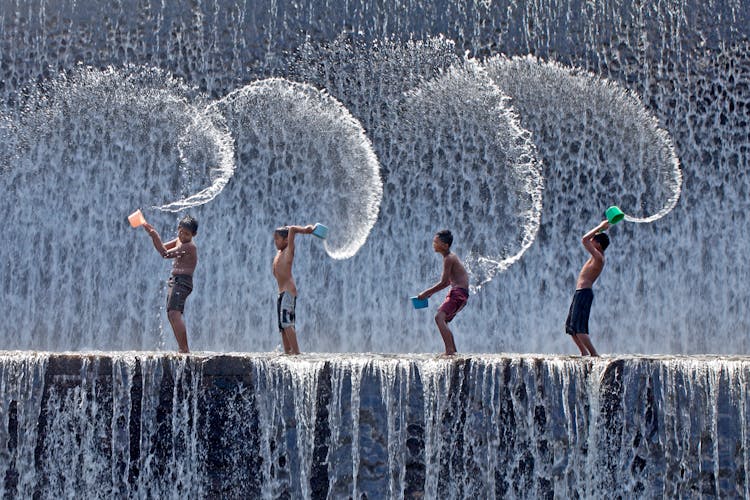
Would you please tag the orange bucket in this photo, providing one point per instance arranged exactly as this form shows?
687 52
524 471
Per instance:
136 219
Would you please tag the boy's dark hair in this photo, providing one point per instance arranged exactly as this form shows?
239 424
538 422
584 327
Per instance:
189 223
282 231
445 236
603 240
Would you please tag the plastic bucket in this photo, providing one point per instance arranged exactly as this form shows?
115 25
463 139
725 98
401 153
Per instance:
419 303
320 231
136 219
614 215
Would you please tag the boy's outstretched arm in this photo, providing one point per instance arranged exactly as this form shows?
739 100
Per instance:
294 230
445 280
164 250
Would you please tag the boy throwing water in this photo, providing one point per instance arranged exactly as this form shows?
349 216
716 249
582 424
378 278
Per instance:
283 238
577 324
455 275
185 255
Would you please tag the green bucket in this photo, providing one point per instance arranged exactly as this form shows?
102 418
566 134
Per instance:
614 215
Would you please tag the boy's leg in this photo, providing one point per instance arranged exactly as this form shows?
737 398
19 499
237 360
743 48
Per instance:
586 341
179 329
580 344
289 337
445 332
285 342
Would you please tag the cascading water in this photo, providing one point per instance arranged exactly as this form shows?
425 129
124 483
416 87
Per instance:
452 153
515 123
134 425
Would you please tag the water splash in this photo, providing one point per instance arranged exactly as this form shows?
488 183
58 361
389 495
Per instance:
90 146
9 146
474 169
603 130
206 151
313 157
86 116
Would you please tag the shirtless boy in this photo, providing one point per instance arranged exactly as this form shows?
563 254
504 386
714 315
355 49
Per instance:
577 324
455 275
283 237
185 255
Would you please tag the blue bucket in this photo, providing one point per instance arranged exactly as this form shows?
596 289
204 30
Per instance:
320 231
418 303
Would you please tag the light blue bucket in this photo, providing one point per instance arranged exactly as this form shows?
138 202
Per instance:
320 231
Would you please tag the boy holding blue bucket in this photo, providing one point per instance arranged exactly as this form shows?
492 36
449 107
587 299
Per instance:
283 238
455 275
577 323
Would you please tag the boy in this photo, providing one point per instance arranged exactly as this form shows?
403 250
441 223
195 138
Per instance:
455 275
185 255
577 324
283 238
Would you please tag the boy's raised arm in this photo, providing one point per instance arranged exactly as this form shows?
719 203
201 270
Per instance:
588 238
294 230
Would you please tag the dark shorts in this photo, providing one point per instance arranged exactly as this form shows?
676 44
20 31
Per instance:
285 310
580 309
180 286
454 302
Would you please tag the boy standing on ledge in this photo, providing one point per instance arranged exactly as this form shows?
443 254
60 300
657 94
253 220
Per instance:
455 275
577 324
283 238
185 255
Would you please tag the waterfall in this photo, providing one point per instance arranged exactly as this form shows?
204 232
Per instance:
139 424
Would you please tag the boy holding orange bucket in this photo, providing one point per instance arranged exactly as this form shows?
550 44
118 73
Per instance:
185 255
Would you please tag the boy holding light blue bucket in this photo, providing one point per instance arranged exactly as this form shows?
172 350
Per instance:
455 275
283 238
595 242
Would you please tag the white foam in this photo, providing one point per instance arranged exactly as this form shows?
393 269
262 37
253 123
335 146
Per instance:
616 146
314 156
477 174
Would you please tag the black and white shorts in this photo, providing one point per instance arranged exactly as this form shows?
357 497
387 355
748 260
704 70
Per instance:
285 310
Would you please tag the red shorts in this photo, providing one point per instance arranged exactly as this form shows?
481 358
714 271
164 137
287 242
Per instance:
454 302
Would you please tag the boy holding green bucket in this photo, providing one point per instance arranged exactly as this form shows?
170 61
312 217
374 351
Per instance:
577 323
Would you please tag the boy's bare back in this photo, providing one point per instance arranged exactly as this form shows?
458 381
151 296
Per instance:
590 272
595 264
455 271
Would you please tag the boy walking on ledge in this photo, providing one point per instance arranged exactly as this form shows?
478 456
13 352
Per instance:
455 275
577 324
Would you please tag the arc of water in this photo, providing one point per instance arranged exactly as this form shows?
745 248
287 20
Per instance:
619 101
335 118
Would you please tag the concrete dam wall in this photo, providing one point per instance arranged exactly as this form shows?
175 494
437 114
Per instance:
155 425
